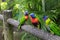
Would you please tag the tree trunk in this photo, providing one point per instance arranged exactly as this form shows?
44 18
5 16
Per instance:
7 28
43 5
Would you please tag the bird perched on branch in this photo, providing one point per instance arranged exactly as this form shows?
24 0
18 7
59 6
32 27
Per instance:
46 20
34 20
51 26
23 19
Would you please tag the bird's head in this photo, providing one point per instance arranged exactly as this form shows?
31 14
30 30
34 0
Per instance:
26 13
45 17
32 15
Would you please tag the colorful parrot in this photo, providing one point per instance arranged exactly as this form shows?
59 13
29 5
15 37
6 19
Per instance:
23 19
51 26
35 21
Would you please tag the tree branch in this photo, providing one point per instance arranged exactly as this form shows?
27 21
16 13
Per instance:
39 33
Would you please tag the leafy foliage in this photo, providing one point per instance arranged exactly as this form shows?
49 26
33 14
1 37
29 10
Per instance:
4 5
52 8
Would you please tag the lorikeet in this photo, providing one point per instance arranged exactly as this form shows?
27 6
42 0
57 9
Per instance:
23 19
35 21
51 26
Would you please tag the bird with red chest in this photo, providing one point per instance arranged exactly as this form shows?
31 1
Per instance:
26 15
23 20
34 20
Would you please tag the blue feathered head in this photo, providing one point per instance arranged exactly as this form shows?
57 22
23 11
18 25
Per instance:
45 17
26 13
32 15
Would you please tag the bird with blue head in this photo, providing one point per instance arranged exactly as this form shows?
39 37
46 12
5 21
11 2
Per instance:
34 20
45 17
23 19
32 15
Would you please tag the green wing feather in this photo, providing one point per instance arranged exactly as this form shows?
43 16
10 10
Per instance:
55 28
22 21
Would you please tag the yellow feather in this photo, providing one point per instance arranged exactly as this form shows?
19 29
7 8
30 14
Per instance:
47 21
